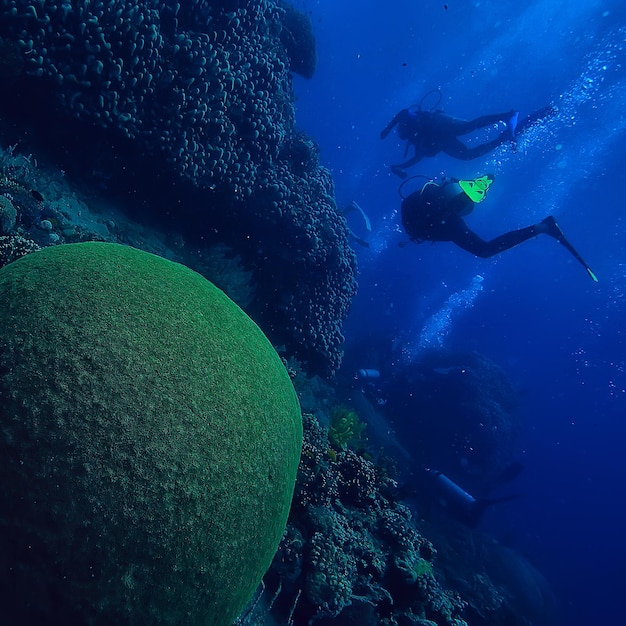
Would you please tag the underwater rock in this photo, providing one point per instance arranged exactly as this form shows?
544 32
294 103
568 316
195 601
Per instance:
150 438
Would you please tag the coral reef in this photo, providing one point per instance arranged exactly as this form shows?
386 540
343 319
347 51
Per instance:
204 88
299 41
369 561
197 81
8 215
12 247
308 268
354 554
150 439
351 552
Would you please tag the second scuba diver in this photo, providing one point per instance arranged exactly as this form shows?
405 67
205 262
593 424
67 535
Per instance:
429 132
436 211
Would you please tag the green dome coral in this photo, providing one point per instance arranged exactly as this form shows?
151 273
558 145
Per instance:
149 442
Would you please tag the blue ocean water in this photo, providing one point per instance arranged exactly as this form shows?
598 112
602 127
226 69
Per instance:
533 310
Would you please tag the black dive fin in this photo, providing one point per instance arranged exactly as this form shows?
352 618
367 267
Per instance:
560 237
474 514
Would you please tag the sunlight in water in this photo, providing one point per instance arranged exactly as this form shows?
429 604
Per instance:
593 104
438 326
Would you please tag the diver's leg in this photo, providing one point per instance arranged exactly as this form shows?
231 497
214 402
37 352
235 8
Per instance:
470 241
462 127
457 149
544 113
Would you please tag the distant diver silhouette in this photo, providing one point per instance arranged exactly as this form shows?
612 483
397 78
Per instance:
458 503
429 132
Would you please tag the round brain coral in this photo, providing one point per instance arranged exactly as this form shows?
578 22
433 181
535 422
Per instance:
149 442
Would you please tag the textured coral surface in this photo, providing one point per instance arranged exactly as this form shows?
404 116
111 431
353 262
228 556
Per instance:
149 443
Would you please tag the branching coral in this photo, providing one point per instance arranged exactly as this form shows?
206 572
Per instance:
346 429
12 247
353 549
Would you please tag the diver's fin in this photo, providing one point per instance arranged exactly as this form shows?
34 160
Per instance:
506 476
512 123
475 512
555 231
358 240
353 206
476 189
533 118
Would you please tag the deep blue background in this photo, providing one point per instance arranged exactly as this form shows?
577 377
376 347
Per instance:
559 336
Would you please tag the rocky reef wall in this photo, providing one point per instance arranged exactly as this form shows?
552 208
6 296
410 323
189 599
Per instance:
205 89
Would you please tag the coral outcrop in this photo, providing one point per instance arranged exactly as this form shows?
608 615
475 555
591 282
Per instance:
203 89
351 552
8 215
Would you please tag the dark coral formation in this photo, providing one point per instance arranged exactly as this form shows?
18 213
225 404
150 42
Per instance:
299 41
458 411
309 276
205 88
203 85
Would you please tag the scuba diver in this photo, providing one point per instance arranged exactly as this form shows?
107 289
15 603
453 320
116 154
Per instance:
431 131
434 487
436 211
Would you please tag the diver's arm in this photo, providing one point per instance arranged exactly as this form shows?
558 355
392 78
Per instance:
399 170
389 127
416 158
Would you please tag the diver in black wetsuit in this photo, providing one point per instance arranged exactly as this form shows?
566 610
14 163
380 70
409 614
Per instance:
432 132
435 213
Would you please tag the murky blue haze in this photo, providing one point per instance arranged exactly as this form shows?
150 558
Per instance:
533 309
